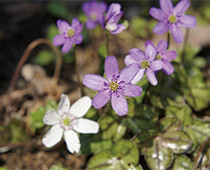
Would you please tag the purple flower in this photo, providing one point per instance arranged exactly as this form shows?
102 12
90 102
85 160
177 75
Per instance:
146 62
114 87
164 55
94 11
112 18
69 35
172 18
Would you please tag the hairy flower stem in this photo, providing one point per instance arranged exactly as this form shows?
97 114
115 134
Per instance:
107 43
77 72
185 43
26 54
168 39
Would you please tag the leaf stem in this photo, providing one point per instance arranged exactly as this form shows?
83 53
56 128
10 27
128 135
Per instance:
107 43
168 39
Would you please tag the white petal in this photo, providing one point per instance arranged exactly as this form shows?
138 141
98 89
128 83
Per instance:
81 106
53 136
86 126
72 141
64 104
51 118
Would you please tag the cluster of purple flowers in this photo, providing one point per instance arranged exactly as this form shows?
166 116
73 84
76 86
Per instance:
122 83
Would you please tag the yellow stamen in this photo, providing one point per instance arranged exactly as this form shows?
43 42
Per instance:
145 64
70 32
66 121
158 57
114 86
172 19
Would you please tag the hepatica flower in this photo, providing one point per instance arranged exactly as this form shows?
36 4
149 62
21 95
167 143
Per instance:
112 18
114 87
164 55
172 18
94 12
70 34
66 120
147 63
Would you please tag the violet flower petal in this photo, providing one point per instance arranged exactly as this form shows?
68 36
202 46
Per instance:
162 45
188 21
170 55
177 33
168 68
149 42
114 8
59 40
62 25
67 45
119 104
90 24
156 65
111 67
78 39
182 6
166 5
138 76
151 77
120 28
132 90
160 28
128 73
94 81
100 99
157 13
76 25
150 52
137 54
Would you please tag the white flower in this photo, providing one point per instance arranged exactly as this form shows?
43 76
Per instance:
67 120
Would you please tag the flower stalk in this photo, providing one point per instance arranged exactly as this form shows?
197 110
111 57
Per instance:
26 54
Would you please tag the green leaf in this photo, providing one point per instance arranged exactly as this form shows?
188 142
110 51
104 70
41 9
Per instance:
182 162
51 105
184 113
178 141
109 127
58 167
58 9
94 143
121 129
198 132
170 123
199 62
52 31
139 23
36 119
121 156
157 156
44 58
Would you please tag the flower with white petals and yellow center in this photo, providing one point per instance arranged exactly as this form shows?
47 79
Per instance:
67 120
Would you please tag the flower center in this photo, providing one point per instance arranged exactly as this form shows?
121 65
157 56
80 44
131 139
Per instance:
66 121
158 57
172 19
145 64
114 86
93 16
70 32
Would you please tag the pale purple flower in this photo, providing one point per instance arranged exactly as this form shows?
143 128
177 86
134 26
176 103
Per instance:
164 55
70 34
146 62
172 18
112 18
94 12
114 87
67 121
